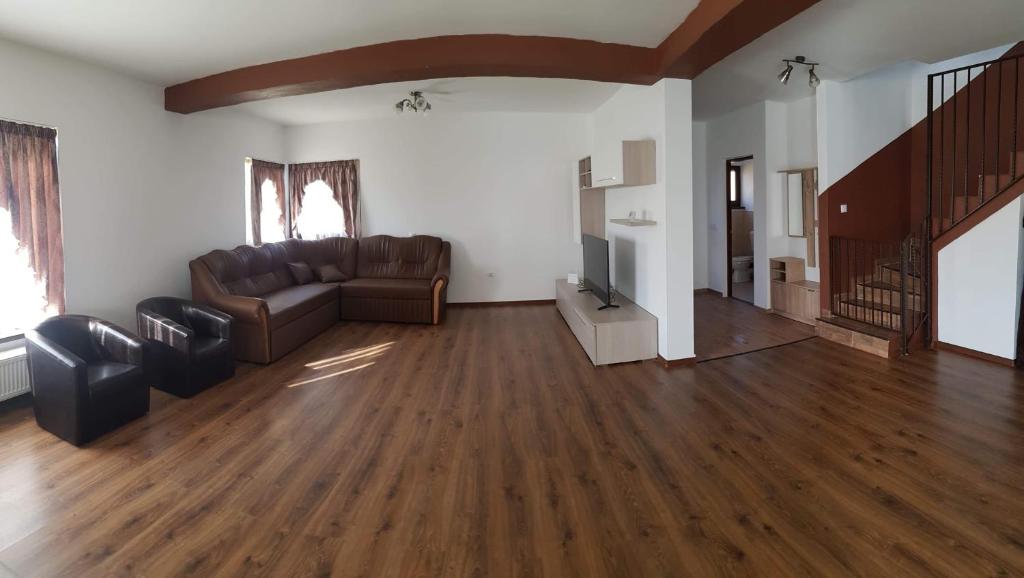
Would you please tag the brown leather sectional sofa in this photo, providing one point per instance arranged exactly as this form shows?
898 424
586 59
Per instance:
378 278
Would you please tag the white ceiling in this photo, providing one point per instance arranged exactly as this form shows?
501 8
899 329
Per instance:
171 41
446 95
851 38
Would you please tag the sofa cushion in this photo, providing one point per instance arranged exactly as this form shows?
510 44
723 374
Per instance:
386 288
301 273
287 305
330 274
386 257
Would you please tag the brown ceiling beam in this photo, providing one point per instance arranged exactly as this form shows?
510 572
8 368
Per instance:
717 28
421 59
712 31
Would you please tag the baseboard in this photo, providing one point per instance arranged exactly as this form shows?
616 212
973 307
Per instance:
674 363
502 303
967 352
707 292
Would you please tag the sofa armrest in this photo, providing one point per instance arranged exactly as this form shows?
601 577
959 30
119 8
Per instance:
118 344
251 310
208 291
156 327
444 264
439 284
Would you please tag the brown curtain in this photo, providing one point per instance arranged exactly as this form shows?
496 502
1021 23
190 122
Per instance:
343 179
263 171
28 190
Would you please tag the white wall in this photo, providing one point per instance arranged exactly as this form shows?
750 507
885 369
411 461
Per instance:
737 134
654 266
979 278
700 206
857 118
747 186
142 190
637 254
677 324
496 185
780 136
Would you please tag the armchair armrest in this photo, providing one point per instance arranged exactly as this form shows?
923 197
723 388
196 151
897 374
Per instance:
154 326
54 368
208 321
118 344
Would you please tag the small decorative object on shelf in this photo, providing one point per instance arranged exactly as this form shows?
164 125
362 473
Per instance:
634 222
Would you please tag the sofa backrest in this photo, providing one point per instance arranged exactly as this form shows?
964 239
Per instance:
256 271
383 256
250 271
340 251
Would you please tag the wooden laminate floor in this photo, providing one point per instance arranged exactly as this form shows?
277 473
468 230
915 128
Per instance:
724 327
490 446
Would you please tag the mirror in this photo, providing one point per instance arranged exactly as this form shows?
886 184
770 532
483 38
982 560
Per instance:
795 204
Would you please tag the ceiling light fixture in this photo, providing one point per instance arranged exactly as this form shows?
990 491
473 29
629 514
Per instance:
415 103
813 79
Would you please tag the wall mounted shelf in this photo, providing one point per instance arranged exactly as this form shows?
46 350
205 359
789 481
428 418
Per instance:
634 222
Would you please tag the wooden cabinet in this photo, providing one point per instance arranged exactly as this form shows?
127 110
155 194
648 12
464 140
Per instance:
627 163
792 295
628 333
588 216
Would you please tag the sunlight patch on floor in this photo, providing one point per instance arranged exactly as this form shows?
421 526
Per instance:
370 352
330 375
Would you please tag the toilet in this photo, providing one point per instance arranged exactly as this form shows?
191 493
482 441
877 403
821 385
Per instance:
743 269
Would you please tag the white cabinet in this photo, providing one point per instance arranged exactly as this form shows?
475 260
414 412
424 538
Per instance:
607 166
618 163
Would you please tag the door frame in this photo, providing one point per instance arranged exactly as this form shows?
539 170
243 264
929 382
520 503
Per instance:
728 221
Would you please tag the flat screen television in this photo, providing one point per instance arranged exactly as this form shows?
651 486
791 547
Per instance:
595 269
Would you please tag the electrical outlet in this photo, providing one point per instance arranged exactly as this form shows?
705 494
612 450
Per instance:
843 208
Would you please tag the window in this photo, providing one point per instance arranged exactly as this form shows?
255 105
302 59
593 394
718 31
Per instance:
271 217
322 200
266 211
735 187
321 215
31 240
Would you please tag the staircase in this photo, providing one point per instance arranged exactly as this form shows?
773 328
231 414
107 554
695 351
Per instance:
881 293
877 297
975 142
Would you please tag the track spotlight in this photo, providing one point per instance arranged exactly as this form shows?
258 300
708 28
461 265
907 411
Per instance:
784 76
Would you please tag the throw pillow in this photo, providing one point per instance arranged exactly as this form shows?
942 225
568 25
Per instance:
330 274
301 273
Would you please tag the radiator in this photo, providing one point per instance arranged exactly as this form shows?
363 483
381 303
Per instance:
13 374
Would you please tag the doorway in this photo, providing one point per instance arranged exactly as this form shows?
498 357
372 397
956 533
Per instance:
739 218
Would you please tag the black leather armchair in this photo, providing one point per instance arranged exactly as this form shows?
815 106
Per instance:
191 344
88 377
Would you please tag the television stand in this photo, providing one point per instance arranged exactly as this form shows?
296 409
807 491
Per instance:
616 334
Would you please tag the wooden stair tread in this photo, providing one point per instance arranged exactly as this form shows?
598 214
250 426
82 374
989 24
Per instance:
860 327
860 336
873 305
